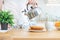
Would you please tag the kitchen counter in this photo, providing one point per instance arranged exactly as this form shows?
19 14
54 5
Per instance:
24 35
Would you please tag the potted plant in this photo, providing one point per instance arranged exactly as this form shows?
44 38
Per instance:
5 19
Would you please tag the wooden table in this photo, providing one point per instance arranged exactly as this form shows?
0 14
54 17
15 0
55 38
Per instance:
23 35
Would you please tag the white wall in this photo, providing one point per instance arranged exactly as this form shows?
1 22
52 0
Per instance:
1 4
53 10
53 7
16 6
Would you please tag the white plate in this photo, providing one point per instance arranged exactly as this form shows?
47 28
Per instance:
36 31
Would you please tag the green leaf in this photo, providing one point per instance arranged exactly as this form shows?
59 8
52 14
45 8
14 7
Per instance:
6 17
